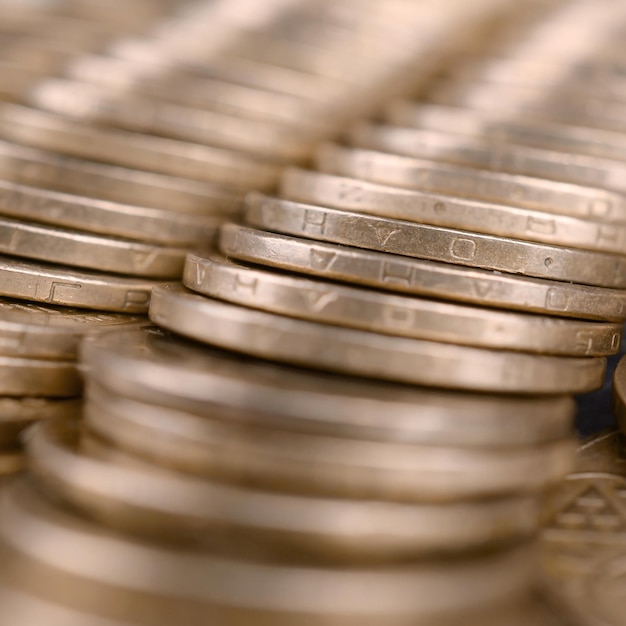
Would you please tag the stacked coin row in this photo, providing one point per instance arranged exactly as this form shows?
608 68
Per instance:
98 234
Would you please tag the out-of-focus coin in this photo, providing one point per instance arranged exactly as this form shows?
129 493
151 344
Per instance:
496 155
11 461
107 218
154 367
79 249
217 277
187 509
619 393
446 210
427 278
94 104
30 166
167 156
364 353
325 465
47 332
435 243
196 586
36 377
514 190
17 414
55 284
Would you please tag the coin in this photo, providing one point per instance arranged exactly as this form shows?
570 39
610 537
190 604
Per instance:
510 189
17 414
36 377
494 155
141 114
51 284
213 275
30 166
324 465
46 131
71 247
435 243
427 278
48 332
106 218
187 509
619 393
368 354
154 367
123 567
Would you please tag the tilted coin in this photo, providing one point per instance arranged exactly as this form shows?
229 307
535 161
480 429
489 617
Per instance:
47 332
571 139
619 393
106 218
79 249
494 155
132 112
447 210
324 465
363 353
167 156
18 414
196 586
435 243
217 277
55 284
187 509
36 377
30 166
152 366
427 278
510 189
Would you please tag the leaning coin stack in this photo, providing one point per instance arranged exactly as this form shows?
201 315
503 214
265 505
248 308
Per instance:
136 84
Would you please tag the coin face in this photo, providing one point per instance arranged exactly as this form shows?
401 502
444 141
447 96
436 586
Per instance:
425 278
301 297
152 366
440 244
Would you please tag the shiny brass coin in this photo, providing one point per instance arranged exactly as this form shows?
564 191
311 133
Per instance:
75 248
55 284
17 414
47 332
106 218
195 586
513 190
435 243
571 139
493 155
324 465
167 156
363 353
215 276
446 210
141 114
183 508
427 278
154 367
30 166
35 377
619 393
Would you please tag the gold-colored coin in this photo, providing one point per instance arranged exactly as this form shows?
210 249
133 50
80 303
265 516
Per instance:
154 367
435 243
426 278
195 586
513 190
186 509
215 276
368 354
105 218
46 131
619 393
36 377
